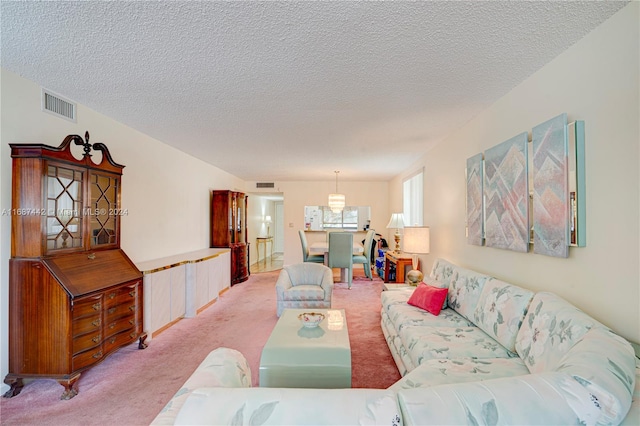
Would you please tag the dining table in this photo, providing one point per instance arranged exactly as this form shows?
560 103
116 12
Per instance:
322 247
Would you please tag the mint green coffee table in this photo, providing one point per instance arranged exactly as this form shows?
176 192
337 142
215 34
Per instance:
298 357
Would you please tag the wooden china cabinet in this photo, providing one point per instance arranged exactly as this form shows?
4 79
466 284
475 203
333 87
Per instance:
229 229
74 295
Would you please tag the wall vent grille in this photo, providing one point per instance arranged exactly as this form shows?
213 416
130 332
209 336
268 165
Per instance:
58 106
265 185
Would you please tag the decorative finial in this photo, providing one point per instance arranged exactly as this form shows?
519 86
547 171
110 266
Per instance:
86 144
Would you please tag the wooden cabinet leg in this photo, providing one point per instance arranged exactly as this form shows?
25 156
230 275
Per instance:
16 386
70 388
141 343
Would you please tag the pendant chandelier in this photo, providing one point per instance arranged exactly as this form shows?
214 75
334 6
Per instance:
336 200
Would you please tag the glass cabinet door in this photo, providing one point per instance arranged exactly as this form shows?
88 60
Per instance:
104 210
64 208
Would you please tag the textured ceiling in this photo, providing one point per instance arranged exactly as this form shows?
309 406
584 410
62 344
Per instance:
291 90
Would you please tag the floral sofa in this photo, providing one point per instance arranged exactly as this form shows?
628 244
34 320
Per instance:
495 354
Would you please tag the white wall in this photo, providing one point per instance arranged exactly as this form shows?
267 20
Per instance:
165 191
596 80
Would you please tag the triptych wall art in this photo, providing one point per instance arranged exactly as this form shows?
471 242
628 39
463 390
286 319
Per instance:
523 192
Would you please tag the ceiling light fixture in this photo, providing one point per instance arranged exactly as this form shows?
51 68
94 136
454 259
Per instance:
336 200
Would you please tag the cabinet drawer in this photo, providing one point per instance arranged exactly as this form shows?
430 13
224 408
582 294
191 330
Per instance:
87 306
86 341
119 339
119 325
124 294
89 324
87 358
119 311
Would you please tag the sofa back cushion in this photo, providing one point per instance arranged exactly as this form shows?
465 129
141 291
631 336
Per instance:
551 327
306 273
465 287
500 311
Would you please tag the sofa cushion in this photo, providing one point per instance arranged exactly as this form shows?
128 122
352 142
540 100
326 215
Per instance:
442 271
283 406
425 342
428 298
439 284
465 287
304 292
436 372
500 311
542 399
551 327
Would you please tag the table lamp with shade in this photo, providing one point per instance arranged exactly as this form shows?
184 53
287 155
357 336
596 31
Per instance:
397 222
416 241
267 220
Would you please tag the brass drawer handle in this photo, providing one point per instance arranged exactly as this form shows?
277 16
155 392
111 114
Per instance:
112 340
96 306
133 334
91 256
97 355
132 321
96 323
111 310
132 293
112 295
132 307
96 339
112 325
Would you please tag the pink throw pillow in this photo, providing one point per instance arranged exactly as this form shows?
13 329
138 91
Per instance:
428 298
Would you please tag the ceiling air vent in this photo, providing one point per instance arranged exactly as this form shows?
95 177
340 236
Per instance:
265 185
57 105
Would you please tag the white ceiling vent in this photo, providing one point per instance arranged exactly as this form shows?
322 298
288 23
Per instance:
265 185
59 106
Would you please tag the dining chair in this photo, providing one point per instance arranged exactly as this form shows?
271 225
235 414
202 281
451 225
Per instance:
341 253
365 257
306 257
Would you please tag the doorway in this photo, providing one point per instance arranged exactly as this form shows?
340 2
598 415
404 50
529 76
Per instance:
265 231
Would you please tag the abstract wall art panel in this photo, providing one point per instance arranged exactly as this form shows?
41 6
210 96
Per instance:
474 200
506 193
550 188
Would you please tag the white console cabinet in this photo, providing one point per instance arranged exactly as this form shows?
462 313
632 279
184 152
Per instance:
180 286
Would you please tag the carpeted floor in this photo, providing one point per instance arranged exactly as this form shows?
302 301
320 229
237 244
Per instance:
131 386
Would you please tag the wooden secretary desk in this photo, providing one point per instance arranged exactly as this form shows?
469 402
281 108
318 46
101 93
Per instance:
74 295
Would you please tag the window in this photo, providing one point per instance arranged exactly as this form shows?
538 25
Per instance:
346 219
412 199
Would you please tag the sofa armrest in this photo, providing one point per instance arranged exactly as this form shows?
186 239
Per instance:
327 284
223 367
545 398
283 283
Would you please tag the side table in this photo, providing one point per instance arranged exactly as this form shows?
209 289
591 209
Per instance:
264 240
401 260
389 287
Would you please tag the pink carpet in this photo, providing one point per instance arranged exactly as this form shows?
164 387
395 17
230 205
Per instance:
131 386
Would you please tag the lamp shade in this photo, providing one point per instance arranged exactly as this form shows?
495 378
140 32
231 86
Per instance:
336 202
267 219
416 239
396 221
